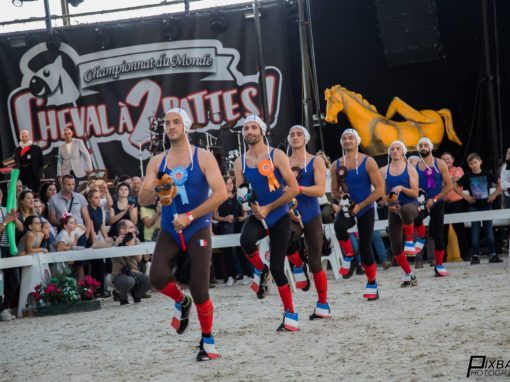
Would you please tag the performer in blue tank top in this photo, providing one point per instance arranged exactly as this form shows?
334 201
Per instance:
402 180
185 236
355 178
435 180
311 177
265 169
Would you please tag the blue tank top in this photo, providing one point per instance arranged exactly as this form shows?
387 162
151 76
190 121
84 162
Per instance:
436 178
399 180
259 184
308 206
360 186
197 190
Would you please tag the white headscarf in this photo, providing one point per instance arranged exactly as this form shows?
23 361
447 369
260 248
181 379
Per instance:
404 151
263 128
358 141
307 139
428 142
186 121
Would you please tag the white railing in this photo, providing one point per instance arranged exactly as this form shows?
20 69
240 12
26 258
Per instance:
33 265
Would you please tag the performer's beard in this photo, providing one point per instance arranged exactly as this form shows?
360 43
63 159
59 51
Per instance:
252 140
424 153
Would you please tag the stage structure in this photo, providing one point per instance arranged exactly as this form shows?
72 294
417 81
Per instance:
112 86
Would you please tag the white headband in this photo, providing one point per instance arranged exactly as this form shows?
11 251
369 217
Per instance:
186 120
260 122
425 140
303 129
352 132
404 148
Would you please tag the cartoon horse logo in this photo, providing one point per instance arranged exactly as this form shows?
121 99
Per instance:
54 83
378 131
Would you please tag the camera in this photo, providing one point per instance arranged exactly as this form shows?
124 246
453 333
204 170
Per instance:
129 236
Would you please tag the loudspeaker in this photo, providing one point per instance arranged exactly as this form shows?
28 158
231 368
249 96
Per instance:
409 31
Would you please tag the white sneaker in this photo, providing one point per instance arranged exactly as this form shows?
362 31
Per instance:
229 282
246 280
5 315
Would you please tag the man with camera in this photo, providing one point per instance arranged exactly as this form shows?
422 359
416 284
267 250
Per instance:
125 274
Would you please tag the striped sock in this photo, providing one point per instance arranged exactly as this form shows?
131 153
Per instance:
205 316
286 297
438 257
404 264
370 272
421 231
321 284
408 231
346 246
295 259
255 259
173 291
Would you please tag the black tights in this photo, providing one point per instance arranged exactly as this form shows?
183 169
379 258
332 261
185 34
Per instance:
436 223
365 230
279 236
313 240
407 214
167 249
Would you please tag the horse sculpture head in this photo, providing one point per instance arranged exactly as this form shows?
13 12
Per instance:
334 104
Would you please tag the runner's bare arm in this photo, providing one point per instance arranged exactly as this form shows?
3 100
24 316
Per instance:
377 181
447 181
238 171
319 176
212 173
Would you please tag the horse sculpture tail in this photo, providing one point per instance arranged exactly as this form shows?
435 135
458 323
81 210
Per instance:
448 122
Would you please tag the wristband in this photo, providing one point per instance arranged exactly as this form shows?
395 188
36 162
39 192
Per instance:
190 216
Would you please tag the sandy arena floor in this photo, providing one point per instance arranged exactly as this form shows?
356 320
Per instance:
424 333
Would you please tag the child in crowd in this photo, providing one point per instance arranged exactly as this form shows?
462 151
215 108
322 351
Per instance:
478 182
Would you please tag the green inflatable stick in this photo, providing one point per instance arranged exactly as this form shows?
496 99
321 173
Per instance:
11 204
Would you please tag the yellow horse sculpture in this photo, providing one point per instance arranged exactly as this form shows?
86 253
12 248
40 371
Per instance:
377 132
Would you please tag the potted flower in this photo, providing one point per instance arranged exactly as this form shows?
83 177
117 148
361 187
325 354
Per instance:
88 287
62 294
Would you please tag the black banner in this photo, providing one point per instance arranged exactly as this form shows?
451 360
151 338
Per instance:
106 82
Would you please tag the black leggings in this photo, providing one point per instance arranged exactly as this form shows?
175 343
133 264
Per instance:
436 223
167 249
279 236
407 214
313 240
365 225
11 281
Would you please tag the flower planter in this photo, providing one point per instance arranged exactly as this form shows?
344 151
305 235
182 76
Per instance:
82 306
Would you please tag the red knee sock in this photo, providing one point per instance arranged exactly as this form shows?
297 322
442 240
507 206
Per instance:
408 231
295 259
346 246
173 291
404 264
205 316
321 284
370 271
286 297
255 259
438 257
421 231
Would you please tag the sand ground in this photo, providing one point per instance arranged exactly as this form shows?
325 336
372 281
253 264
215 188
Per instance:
422 333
